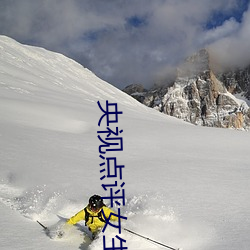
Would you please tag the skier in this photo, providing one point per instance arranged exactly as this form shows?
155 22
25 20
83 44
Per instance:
92 214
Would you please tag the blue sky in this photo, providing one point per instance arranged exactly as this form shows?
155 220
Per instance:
218 17
131 41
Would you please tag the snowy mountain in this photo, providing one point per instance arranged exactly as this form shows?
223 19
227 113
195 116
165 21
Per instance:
201 95
186 186
237 81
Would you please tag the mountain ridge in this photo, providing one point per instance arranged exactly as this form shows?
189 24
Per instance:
200 95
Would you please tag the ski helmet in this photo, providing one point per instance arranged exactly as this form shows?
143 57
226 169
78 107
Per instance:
95 202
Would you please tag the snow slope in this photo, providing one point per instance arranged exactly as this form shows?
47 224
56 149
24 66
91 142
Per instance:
186 186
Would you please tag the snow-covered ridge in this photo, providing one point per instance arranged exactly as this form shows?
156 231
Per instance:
33 68
33 74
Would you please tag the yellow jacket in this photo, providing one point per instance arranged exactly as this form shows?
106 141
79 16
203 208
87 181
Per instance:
93 223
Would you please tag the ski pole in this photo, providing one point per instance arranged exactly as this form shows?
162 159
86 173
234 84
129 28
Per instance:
159 243
45 228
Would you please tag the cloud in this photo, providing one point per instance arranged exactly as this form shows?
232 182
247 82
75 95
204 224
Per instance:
124 42
233 49
228 28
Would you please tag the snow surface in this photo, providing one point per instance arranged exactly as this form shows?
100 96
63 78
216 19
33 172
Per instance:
186 186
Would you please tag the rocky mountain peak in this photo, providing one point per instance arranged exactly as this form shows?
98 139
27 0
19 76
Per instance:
200 96
196 64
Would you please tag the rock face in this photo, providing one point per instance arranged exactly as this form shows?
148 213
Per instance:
201 97
137 91
237 81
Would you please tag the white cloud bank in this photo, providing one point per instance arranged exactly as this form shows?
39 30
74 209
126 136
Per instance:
129 41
